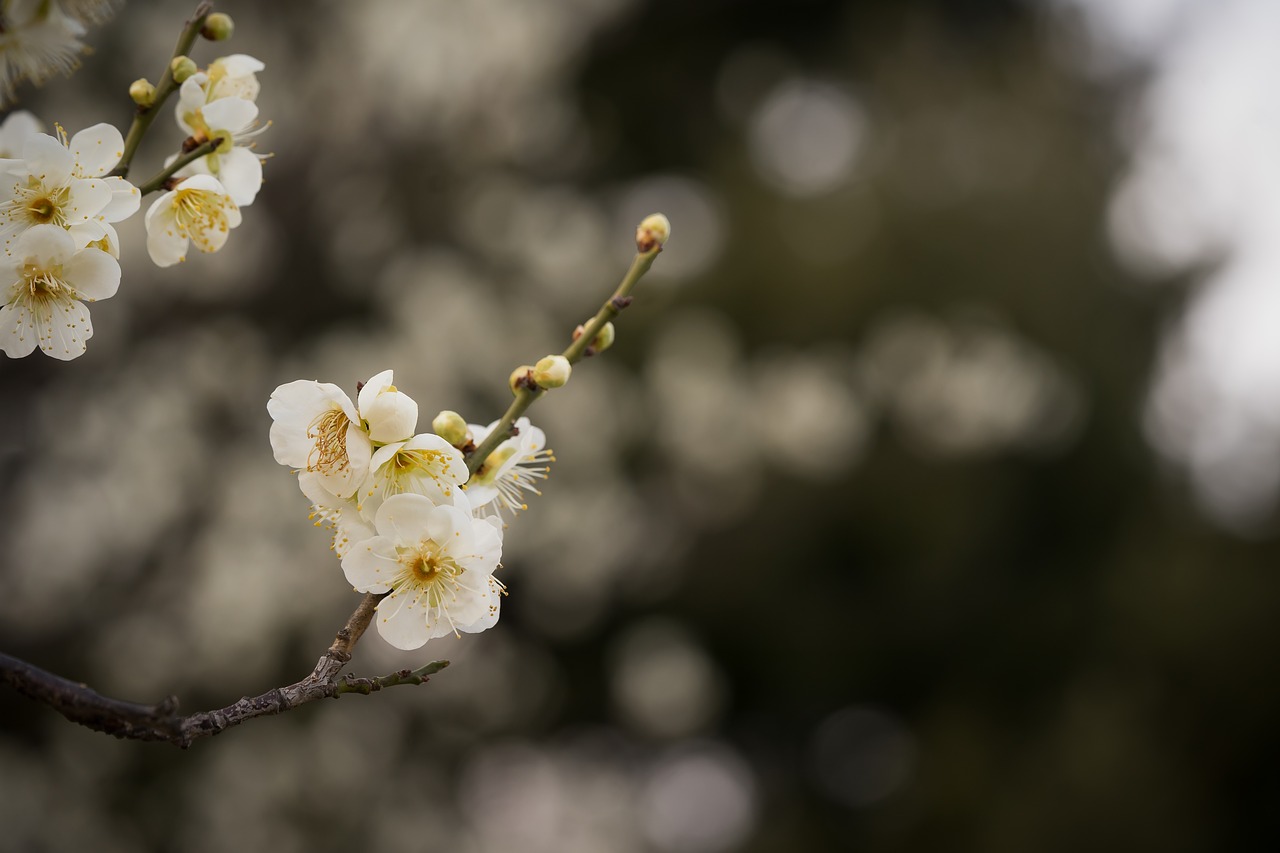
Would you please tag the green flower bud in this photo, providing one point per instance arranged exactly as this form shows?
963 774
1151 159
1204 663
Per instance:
451 427
218 27
518 376
552 371
182 68
652 233
142 92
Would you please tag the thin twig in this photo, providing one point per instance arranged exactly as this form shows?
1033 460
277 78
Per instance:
145 115
79 703
157 181
527 392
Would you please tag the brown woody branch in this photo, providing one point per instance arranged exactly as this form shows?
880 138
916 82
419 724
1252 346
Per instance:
79 703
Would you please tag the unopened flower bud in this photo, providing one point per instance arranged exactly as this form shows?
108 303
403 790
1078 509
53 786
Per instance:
652 233
451 427
390 413
519 376
218 27
142 92
182 68
552 371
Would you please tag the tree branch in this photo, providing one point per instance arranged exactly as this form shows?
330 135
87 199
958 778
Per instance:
81 704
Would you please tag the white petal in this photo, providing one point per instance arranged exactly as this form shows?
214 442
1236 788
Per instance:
406 519
231 115
44 246
190 100
96 150
64 332
48 160
166 243
125 200
371 565
293 407
377 383
86 200
17 331
401 619
94 274
240 171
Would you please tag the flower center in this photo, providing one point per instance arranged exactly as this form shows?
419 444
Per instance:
428 568
44 283
35 204
198 211
329 430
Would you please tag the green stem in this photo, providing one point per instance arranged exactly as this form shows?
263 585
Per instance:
574 353
143 118
366 686
157 180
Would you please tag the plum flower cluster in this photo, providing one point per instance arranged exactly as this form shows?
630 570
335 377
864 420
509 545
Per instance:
408 520
203 205
60 201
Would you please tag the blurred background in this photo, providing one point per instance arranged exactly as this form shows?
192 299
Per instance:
926 502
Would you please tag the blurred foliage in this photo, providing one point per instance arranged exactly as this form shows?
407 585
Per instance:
1010 645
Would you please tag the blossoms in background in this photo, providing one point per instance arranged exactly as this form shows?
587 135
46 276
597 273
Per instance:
39 38
403 521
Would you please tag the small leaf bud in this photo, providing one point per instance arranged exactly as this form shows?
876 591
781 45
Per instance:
182 68
520 378
451 427
552 371
604 338
142 92
652 233
218 27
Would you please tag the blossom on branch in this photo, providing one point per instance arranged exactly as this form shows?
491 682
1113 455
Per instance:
514 466
236 121
318 430
199 211
437 563
49 279
59 182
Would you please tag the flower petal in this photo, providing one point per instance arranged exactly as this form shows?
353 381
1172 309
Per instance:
407 519
94 274
64 332
17 331
371 565
48 160
87 199
96 150
402 619
166 242
240 171
125 200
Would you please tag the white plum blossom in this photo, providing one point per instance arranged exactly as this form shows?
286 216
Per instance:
14 130
437 563
318 431
37 41
425 465
198 210
236 121
49 279
58 182
514 467
233 76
